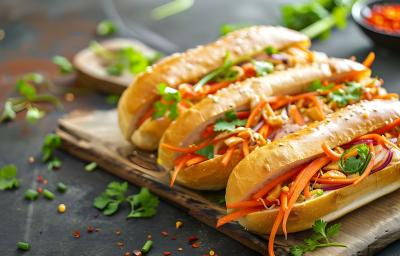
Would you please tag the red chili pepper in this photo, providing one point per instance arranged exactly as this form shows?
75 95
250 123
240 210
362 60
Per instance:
167 253
39 178
385 17
90 229
164 233
192 239
39 190
196 245
77 234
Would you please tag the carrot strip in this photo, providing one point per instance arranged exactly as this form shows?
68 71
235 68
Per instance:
284 200
387 96
146 116
217 86
370 165
249 69
264 131
274 230
330 153
178 167
302 179
318 104
388 127
227 156
242 114
262 192
189 149
306 190
254 113
295 114
236 215
195 160
369 60
245 147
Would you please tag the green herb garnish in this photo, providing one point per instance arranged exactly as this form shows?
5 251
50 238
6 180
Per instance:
271 50
228 28
318 86
351 93
31 194
64 65
23 246
51 142
320 238
172 8
106 28
229 123
170 99
8 178
112 99
54 163
263 67
207 151
143 205
91 167
34 114
358 163
61 187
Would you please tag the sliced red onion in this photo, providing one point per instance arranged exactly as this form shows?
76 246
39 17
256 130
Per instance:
334 187
385 163
258 126
280 57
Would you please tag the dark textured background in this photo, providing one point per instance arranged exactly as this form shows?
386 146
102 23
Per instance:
37 30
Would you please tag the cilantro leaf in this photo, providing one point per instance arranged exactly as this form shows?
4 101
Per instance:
263 67
319 227
143 204
318 86
228 28
8 112
112 99
230 115
51 142
271 50
351 93
297 250
110 200
8 178
207 151
170 98
333 230
64 65
358 163
106 28
34 114
222 125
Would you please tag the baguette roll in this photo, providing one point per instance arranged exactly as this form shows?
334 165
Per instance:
187 129
347 125
190 67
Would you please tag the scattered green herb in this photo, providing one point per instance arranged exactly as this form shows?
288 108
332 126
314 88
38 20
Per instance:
320 238
228 28
23 246
207 151
64 66
351 93
263 67
34 114
147 246
109 201
90 167
143 205
229 123
318 86
169 9
51 142
48 194
54 163
106 28
31 194
112 99
8 178
168 104
61 187
358 163
271 50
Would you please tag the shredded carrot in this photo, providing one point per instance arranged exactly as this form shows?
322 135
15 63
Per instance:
330 153
274 230
306 190
242 114
378 138
387 96
281 101
295 114
264 131
245 147
236 215
301 181
227 156
195 160
369 60
249 69
388 127
217 86
284 200
270 185
370 165
318 104
254 113
179 164
189 149
146 116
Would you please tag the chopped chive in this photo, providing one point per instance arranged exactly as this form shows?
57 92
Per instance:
147 246
61 187
31 194
48 194
90 167
23 246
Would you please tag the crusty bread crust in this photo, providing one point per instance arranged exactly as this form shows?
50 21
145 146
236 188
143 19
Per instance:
196 63
184 131
332 205
266 163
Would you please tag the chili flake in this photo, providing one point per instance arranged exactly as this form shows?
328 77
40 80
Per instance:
164 233
385 17
77 234
90 229
39 190
196 245
137 253
167 253
192 239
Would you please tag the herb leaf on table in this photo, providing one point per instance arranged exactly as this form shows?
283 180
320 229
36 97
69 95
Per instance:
143 204
8 178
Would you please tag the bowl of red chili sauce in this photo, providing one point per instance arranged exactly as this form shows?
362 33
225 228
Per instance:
380 21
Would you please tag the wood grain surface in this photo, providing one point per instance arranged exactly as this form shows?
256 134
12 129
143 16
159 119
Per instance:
95 136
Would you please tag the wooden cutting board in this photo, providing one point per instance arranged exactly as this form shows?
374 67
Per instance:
95 136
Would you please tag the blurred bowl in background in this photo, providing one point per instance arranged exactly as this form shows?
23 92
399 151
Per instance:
362 10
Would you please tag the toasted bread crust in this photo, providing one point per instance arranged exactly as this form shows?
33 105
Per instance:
194 64
184 131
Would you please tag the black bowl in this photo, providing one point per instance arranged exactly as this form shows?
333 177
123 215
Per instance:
361 10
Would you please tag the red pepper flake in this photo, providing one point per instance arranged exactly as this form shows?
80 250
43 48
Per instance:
127 254
149 237
39 190
173 238
164 233
167 253
45 181
118 232
196 245
90 229
192 239
77 234
39 178
137 253
120 244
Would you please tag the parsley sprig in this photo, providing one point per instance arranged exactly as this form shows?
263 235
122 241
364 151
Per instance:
8 178
168 104
50 144
320 238
358 163
143 204
229 123
64 65
28 96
